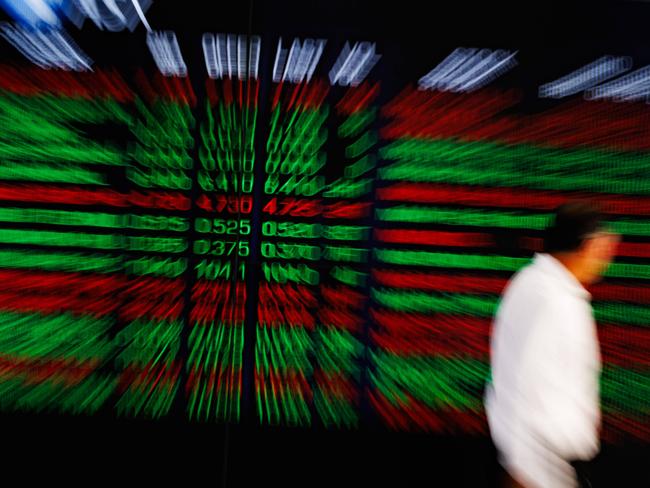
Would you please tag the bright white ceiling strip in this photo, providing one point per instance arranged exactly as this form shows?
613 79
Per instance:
47 49
353 64
467 69
254 56
450 63
166 53
320 45
598 71
501 66
210 55
278 64
623 87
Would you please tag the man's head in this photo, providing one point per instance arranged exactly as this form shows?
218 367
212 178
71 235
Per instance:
579 239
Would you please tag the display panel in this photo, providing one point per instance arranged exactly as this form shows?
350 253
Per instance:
277 230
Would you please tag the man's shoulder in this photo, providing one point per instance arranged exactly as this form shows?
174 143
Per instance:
532 286
529 277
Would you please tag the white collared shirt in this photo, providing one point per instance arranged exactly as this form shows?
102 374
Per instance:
543 401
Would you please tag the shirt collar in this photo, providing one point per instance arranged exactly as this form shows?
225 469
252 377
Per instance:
553 267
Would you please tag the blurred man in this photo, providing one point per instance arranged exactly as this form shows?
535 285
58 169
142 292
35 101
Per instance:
543 401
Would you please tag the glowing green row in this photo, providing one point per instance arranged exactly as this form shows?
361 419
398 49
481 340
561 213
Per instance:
148 343
214 344
300 164
443 382
335 412
50 108
436 381
469 216
349 276
280 272
362 145
162 157
284 406
300 147
283 348
413 301
297 125
478 217
94 241
214 400
481 155
52 261
449 260
489 262
287 350
311 186
83 152
149 400
215 349
435 173
356 122
37 129
172 179
162 137
235 129
337 351
86 397
228 161
298 230
55 336
58 173
84 337
94 219
486 306
165 116
624 390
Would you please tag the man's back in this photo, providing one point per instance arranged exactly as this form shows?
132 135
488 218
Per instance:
542 405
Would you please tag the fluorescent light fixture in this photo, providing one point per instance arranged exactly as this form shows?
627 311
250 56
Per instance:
34 13
586 77
49 49
166 53
633 86
468 69
112 15
298 63
232 56
353 64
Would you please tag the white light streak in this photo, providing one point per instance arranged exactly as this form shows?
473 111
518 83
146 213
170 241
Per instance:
47 49
140 12
586 77
353 64
113 15
631 87
254 56
299 63
468 69
34 13
231 55
166 53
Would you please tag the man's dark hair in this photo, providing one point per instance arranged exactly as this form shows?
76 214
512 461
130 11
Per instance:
572 223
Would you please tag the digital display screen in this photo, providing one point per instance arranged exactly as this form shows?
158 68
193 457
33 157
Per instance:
300 230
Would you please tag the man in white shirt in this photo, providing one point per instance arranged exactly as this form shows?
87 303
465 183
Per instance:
542 402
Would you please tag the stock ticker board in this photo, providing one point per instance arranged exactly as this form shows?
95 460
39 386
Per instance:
277 234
